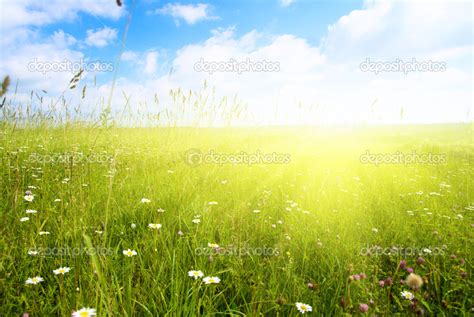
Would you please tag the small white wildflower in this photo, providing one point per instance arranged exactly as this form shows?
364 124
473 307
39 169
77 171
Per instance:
34 280
129 252
32 252
195 274
84 312
303 308
62 270
211 280
407 295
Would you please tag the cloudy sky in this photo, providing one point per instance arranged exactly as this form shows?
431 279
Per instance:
330 61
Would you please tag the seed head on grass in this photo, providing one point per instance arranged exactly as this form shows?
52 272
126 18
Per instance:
414 281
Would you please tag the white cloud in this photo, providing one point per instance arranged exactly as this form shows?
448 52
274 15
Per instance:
101 37
316 84
286 3
20 13
190 13
129 56
324 84
151 62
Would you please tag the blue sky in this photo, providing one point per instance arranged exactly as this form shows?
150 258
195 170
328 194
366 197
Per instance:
319 47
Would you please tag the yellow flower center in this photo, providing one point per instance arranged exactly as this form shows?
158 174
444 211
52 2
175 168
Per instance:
84 314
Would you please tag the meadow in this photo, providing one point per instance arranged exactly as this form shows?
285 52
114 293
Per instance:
272 221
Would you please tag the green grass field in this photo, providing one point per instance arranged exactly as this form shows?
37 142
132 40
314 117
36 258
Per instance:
311 219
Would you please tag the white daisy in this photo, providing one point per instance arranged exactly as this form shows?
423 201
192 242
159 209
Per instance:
24 219
62 270
29 198
145 201
303 308
31 211
196 220
34 280
32 252
195 274
43 233
84 312
213 245
129 252
160 210
211 280
154 225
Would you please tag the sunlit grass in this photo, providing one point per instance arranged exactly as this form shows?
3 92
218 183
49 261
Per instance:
273 235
